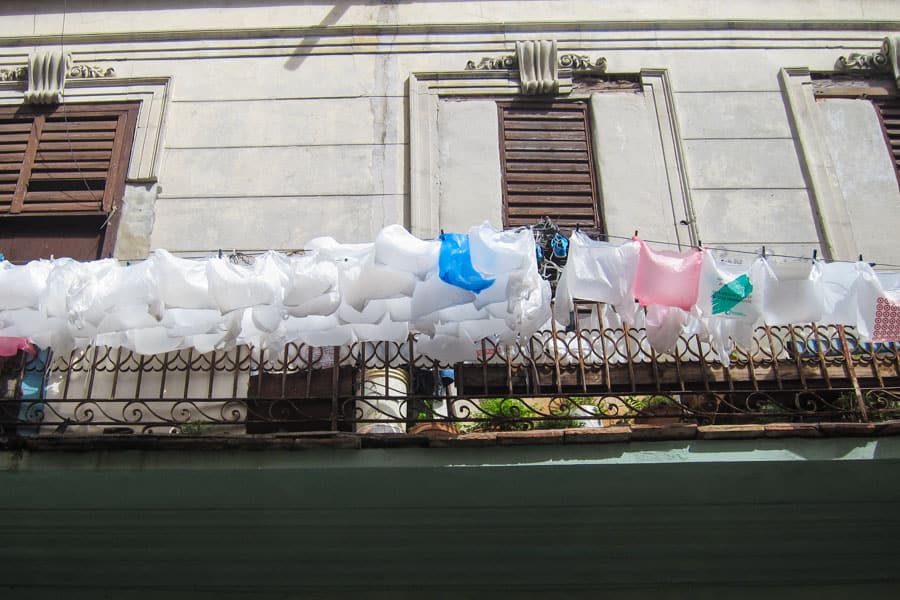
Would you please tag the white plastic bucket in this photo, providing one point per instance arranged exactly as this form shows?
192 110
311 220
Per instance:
392 385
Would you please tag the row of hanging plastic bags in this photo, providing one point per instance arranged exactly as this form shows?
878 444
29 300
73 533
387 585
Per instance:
453 291
693 292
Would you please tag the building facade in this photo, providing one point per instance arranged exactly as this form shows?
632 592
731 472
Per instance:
263 126
212 127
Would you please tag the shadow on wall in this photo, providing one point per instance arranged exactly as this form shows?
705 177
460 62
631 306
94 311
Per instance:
338 9
309 42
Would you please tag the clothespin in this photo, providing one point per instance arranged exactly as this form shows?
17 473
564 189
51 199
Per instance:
860 258
220 253
763 251
699 244
577 226
635 234
815 254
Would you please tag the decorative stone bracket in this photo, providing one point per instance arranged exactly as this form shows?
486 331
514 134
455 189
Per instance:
538 63
47 73
886 60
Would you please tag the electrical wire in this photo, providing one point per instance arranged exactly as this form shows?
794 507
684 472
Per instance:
62 52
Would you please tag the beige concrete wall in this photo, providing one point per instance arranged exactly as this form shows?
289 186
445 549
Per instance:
284 122
866 175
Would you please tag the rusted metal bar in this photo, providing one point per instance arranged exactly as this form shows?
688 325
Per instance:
581 373
509 372
187 373
896 360
751 368
535 372
556 367
212 376
142 361
703 367
601 320
772 354
797 359
851 372
335 384
285 360
309 370
655 365
116 368
238 361
823 367
484 374
678 371
93 370
629 358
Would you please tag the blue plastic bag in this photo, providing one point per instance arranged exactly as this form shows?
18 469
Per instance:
455 264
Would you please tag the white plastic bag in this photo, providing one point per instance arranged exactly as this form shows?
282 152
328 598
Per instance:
182 282
791 293
398 249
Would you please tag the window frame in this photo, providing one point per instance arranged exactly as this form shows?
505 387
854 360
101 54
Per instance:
426 89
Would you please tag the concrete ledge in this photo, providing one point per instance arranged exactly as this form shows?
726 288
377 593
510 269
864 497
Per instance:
779 430
539 436
444 439
680 431
598 435
730 432
848 429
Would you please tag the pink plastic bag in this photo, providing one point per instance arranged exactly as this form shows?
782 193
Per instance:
9 346
668 278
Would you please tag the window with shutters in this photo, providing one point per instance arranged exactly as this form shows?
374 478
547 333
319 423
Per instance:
62 176
547 164
888 109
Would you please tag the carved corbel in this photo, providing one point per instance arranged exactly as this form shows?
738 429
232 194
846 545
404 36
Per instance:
538 63
882 61
538 67
893 53
46 75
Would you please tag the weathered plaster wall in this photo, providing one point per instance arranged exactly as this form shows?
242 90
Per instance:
629 160
746 179
286 122
866 175
85 16
469 165
136 221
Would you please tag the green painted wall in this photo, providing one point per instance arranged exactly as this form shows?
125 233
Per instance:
774 518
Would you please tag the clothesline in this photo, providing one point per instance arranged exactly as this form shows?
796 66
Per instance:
748 252
255 252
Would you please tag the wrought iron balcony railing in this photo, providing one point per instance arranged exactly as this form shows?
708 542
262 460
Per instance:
588 377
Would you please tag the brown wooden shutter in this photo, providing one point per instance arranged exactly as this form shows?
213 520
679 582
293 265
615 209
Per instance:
62 174
547 164
70 158
889 110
